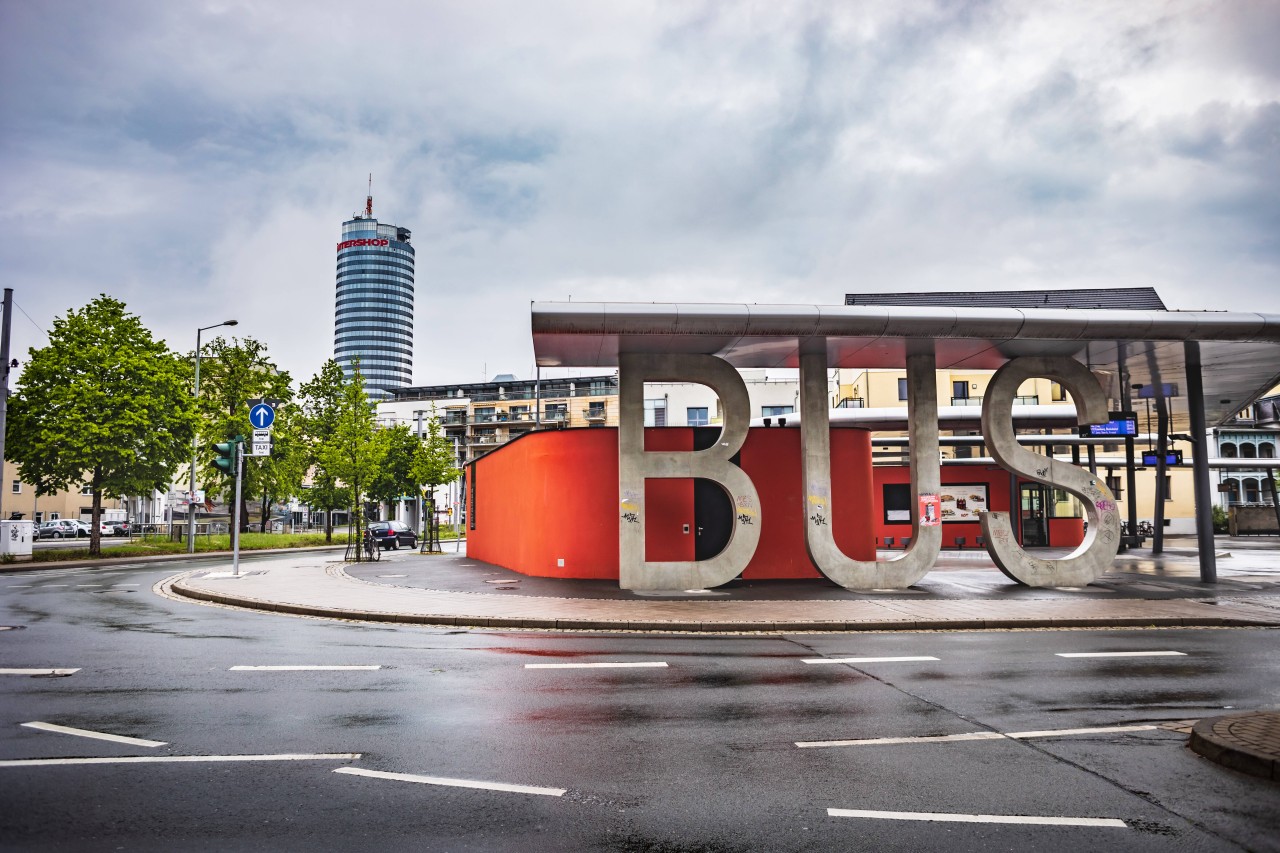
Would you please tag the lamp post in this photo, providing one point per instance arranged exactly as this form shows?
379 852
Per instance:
195 444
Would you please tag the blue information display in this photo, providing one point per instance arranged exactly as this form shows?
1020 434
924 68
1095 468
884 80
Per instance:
1121 424
1172 457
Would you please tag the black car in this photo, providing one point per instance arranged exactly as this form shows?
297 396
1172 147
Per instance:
392 534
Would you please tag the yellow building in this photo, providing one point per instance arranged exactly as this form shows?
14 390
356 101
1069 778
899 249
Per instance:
20 500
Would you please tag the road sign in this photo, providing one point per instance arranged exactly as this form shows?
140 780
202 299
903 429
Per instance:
261 448
261 435
262 416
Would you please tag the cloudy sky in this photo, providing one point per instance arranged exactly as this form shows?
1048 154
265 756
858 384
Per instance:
196 159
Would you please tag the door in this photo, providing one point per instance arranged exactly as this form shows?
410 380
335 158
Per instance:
712 509
1035 502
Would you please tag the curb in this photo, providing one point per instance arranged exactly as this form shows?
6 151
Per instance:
1249 743
547 623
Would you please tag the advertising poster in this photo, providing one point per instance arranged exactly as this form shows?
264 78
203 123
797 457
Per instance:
963 501
930 511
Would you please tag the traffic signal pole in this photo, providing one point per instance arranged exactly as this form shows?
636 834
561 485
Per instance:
235 528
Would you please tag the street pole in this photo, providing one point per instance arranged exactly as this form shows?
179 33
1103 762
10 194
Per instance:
235 530
4 375
195 444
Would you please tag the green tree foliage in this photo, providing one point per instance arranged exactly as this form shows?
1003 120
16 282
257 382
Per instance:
320 400
354 451
394 478
435 465
233 372
104 405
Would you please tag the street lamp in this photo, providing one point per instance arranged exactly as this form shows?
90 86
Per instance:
195 444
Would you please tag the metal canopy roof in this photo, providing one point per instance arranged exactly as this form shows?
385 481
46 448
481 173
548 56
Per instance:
1240 352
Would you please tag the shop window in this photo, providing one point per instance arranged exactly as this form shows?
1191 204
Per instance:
897 503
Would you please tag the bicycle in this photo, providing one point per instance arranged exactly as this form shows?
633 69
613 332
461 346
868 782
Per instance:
372 550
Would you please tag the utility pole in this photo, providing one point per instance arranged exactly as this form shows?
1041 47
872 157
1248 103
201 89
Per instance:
235 529
4 378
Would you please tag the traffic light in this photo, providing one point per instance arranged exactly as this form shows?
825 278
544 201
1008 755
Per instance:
226 461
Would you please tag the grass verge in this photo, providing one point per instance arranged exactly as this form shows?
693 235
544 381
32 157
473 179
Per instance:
210 544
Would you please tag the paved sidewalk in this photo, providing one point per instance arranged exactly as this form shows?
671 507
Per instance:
1249 743
318 585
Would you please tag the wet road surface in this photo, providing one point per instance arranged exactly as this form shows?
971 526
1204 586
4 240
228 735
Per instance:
708 744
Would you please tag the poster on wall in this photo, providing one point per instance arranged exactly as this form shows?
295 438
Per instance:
963 501
929 511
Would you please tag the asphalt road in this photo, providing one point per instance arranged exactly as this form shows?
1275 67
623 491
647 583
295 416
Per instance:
695 750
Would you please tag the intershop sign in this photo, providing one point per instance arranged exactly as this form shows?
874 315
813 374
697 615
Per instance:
347 244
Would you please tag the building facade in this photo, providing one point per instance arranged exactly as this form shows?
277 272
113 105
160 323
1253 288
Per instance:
373 310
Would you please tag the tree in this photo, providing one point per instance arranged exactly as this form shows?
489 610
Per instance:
354 451
233 373
104 405
394 478
320 399
435 465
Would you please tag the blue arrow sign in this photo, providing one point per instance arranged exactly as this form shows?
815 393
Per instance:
262 416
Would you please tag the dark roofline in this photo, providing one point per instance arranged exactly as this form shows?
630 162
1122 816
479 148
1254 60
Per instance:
1136 298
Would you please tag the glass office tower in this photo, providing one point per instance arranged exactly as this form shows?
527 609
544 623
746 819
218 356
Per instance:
373 316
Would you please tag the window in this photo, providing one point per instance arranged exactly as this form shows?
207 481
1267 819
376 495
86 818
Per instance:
655 412
17 487
86 491
774 411
557 411
1057 394
1114 484
1248 451
697 416
53 516
902 389
960 390
897 503
39 516
1168 487
1228 450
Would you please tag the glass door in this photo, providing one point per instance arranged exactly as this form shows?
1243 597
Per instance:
1034 499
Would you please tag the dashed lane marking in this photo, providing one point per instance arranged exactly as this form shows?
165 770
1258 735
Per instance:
179 759
890 741
303 668
867 660
68 730
1120 654
980 818
453 783
38 671
620 665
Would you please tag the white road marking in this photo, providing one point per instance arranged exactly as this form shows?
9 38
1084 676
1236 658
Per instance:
452 783
1120 654
1094 731
980 818
38 671
19 586
865 660
657 663
52 585
127 584
68 730
302 668
87 584
890 741
166 759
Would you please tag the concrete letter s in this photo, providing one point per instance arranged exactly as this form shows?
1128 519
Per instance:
1102 540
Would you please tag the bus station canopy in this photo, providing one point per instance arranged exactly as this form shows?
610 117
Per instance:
1240 351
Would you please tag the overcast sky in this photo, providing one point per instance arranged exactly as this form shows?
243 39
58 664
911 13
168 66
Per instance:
197 159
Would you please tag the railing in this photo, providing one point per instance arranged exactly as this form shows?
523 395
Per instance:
852 403
966 401
1026 400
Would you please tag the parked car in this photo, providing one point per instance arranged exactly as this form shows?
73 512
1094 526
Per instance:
390 535
120 528
62 528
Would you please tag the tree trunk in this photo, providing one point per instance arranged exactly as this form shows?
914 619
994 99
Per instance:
328 526
263 523
95 522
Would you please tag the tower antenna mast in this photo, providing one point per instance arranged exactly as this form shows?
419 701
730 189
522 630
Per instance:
368 202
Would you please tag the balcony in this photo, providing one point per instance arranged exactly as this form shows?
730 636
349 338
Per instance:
966 401
594 414
1027 400
852 403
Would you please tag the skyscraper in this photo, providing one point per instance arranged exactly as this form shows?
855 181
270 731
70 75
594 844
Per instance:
373 312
